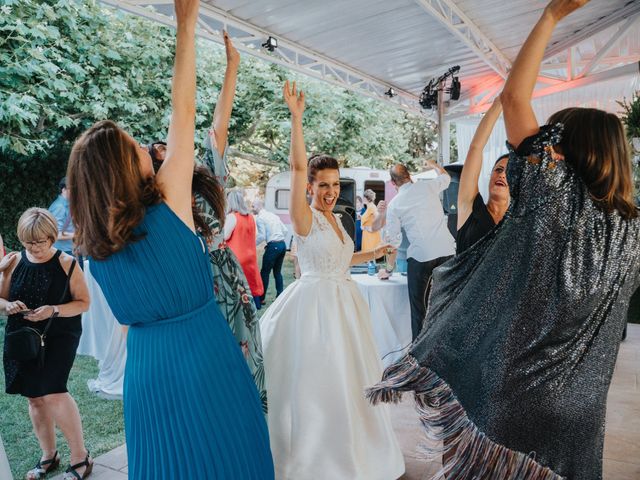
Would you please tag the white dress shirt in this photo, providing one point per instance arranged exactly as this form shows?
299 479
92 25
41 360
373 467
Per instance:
270 228
418 210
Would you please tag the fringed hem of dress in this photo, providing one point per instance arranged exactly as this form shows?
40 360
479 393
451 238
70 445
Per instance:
448 428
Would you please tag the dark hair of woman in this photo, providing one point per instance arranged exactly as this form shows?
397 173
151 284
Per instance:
594 144
320 162
500 158
106 205
208 187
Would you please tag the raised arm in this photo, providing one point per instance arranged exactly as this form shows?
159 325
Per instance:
519 119
299 210
468 189
176 173
224 105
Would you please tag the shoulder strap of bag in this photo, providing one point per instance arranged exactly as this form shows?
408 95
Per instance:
64 294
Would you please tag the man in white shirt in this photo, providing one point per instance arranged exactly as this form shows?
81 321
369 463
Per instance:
271 230
417 210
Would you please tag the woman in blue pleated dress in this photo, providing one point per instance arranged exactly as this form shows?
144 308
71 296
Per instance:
191 407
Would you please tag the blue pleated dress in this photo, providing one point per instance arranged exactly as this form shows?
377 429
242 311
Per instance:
190 403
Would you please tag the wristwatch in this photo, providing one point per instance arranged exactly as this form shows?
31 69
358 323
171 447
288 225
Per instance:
56 311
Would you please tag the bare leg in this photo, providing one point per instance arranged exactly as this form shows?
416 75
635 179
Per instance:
43 426
67 416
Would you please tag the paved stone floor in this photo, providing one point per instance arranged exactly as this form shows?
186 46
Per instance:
622 442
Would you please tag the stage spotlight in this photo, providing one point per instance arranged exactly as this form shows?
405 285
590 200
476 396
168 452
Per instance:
390 93
454 89
429 96
271 44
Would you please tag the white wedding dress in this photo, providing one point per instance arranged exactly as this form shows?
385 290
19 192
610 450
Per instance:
320 356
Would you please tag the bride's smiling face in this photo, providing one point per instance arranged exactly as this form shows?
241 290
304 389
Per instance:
325 189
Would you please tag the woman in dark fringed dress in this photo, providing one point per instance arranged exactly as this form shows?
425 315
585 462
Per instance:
513 368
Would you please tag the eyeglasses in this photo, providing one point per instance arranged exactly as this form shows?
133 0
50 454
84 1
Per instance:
37 243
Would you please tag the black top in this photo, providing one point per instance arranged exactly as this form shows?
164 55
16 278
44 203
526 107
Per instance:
479 223
38 284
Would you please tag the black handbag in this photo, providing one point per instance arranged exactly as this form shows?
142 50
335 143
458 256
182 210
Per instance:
27 343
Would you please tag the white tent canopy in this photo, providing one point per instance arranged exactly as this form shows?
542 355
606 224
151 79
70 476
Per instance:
369 46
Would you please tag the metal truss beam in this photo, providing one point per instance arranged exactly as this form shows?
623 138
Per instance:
458 23
249 38
623 71
609 45
631 9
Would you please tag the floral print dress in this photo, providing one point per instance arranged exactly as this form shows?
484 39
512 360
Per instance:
229 282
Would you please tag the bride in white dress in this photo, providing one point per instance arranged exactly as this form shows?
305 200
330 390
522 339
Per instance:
319 351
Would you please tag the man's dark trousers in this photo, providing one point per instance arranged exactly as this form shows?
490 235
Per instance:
272 259
418 277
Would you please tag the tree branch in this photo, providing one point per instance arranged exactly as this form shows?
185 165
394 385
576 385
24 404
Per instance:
252 158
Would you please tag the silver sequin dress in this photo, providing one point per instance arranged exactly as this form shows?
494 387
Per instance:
523 330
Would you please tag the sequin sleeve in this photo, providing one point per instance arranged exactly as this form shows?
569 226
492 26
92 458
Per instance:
535 173
214 162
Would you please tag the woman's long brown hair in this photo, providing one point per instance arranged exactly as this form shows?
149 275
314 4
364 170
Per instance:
108 193
594 143
208 187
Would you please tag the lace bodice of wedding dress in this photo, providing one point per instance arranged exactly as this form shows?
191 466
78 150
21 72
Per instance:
322 252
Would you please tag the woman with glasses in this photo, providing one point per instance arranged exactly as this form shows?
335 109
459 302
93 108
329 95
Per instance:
38 286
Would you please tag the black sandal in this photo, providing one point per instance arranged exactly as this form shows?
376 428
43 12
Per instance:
71 474
44 467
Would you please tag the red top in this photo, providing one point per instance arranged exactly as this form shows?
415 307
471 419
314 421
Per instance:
243 244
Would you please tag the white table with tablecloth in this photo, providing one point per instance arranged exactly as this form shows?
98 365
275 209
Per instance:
388 302
104 339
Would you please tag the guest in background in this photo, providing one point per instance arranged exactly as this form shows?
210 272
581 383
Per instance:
60 210
240 235
359 211
370 238
475 218
272 231
418 210
40 286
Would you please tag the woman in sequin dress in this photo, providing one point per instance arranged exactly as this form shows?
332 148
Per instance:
517 384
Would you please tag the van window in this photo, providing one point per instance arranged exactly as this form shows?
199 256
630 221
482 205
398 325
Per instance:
282 199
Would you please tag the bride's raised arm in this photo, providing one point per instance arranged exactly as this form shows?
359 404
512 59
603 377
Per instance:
301 216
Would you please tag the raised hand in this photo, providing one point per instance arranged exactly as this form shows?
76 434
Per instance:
559 9
7 261
382 207
233 57
187 11
294 100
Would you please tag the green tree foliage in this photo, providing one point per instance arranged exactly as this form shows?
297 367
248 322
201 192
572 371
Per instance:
65 64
